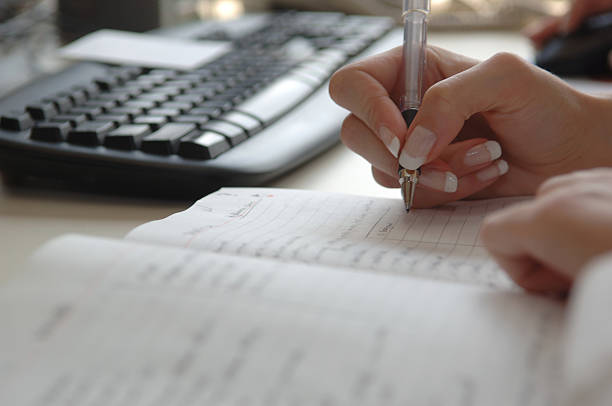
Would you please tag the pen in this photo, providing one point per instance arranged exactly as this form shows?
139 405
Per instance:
415 17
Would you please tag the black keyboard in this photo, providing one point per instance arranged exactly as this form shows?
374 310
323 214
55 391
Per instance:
249 116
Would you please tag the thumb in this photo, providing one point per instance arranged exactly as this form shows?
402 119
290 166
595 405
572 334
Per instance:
498 84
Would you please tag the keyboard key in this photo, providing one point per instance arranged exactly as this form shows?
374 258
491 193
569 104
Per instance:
16 122
275 100
127 137
42 111
195 99
210 112
220 104
77 96
181 84
205 146
73 119
61 103
50 132
168 113
106 83
204 92
248 123
130 91
155 122
117 98
132 112
90 133
90 90
141 104
117 119
157 98
150 80
232 132
165 140
90 112
183 107
168 90
167 74
197 120
138 86
105 105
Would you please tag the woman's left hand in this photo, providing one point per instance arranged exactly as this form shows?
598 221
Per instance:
543 244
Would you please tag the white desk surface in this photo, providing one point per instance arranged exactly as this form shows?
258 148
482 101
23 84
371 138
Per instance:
28 217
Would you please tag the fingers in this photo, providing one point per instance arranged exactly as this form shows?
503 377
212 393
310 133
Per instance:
361 140
366 89
474 161
582 9
498 86
508 235
557 184
541 31
433 183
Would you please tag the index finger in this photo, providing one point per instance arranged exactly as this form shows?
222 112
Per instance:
367 88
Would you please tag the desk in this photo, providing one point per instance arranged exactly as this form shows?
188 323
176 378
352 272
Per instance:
28 218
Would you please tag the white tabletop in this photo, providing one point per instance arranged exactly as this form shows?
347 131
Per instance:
29 217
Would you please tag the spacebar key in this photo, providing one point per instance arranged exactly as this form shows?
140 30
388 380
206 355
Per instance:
277 99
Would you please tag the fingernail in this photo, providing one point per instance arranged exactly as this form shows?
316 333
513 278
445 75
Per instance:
496 170
418 147
483 153
390 140
442 181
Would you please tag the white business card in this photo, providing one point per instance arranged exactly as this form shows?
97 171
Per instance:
146 50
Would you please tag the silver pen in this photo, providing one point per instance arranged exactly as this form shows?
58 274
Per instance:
416 13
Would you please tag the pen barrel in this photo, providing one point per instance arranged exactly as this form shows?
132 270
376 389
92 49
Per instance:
414 60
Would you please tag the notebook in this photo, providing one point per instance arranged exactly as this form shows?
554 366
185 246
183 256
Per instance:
283 297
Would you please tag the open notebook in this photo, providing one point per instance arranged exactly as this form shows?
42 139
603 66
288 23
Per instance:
277 297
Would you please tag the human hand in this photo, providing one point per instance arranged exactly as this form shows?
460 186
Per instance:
544 127
543 30
543 244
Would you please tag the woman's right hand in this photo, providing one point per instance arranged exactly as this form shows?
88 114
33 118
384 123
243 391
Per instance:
541 31
544 127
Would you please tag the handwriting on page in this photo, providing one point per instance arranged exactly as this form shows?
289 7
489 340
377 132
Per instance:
357 232
159 326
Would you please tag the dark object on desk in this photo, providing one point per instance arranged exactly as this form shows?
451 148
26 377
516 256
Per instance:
241 120
584 52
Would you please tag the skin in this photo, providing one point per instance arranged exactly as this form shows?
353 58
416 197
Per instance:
544 243
545 129
543 30
540 121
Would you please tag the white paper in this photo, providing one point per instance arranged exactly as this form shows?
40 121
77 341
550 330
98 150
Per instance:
588 350
148 50
339 230
116 323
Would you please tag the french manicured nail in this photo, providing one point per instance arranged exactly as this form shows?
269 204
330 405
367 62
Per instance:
483 153
496 170
418 147
390 140
442 181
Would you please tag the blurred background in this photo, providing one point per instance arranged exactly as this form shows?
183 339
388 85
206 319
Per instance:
31 30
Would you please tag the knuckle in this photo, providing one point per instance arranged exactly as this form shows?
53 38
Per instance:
440 96
558 207
508 62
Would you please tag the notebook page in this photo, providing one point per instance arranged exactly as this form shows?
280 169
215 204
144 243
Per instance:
129 325
588 348
339 230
